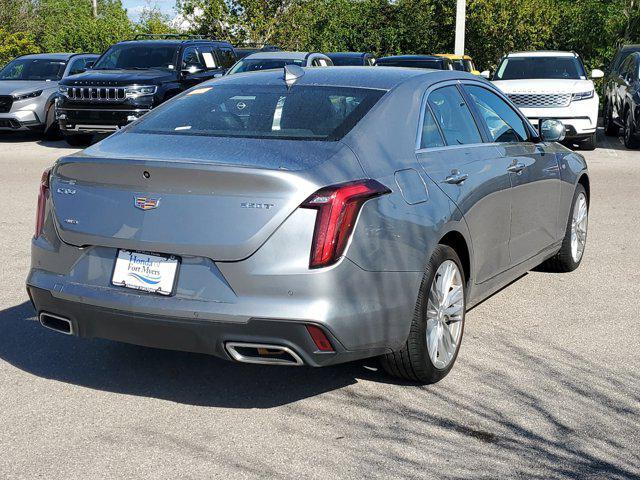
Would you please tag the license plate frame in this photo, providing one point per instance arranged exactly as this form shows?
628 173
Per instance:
150 272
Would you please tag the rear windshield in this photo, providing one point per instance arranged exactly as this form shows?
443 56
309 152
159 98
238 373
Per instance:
262 111
138 56
521 68
435 64
33 69
254 65
348 61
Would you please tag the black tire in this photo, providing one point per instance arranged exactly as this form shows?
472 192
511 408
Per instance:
79 140
589 143
610 128
412 361
563 262
630 136
51 127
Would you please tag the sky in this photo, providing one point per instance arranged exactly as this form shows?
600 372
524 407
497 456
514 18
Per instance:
134 7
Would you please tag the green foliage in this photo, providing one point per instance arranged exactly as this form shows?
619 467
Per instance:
15 44
153 21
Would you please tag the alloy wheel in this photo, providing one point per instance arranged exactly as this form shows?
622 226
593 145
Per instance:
579 224
445 314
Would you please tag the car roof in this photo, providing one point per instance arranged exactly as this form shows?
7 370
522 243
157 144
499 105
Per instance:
50 56
542 53
453 56
384 78
173 41
410 57
347 54
280 55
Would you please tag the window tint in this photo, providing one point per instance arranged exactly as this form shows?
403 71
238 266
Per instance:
453 116
262 111
33 69
503 123
137 55
521 68
430 134
227 58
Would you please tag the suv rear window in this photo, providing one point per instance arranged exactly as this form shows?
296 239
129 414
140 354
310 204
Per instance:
435 64
262 111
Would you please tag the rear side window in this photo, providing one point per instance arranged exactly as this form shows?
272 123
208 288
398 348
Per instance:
503 123
227 58
430 134
262 111
453 116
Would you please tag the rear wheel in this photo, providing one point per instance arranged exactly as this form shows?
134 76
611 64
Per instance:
610 128
79 140
630 137
575 238
438 322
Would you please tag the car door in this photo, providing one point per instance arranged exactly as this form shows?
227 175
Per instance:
621 89
456 156
534 174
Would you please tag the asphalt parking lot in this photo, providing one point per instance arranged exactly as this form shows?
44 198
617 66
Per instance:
546 386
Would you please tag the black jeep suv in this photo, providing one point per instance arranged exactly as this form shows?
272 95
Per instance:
131 78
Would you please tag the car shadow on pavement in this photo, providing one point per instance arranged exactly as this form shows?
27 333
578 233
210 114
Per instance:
182 377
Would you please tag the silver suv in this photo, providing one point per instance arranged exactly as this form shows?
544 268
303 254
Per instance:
28 86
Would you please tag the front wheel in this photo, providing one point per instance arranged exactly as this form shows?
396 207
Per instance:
630 137
589 143
575 238
610 128
437 325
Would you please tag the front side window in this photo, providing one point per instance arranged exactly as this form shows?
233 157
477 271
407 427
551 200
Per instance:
33 69
262 111
453 116
469 66
257 64
227 59
557 68
79 65
137 56
503 123
193 60
458 65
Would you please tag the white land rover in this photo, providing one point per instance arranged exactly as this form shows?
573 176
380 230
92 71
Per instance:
552 85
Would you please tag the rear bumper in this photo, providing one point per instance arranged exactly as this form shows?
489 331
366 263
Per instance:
191 335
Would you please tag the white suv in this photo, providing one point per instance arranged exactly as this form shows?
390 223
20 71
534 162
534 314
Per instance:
552 85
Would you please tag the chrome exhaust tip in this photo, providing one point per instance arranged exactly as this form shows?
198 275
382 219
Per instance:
55 322
265 354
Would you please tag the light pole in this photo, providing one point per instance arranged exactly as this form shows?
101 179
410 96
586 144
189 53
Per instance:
460 22
94 4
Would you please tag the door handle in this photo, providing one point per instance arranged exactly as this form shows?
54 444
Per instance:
516 167
456 177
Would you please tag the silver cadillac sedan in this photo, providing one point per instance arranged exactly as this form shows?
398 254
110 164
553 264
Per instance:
308 217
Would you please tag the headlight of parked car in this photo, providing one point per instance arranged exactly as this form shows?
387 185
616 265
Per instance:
24 96
583 95
140 91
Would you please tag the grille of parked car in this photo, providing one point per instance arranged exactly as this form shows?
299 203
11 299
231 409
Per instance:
97 94
541 100
6 101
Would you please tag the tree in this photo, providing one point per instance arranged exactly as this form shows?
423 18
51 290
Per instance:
15 44
153 21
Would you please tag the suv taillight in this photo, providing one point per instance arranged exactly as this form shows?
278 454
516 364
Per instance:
43 193
338 207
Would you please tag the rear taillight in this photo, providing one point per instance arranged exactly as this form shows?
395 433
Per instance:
338 207
43 194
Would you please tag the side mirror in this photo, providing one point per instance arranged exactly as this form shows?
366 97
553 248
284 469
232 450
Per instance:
486 74
191 70
551 130
597 73
218 75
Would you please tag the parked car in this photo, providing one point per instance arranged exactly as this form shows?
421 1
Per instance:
416 61
133 77
341 219
352 59
552 85
247 49
270 60
622 103
462 63
28 86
